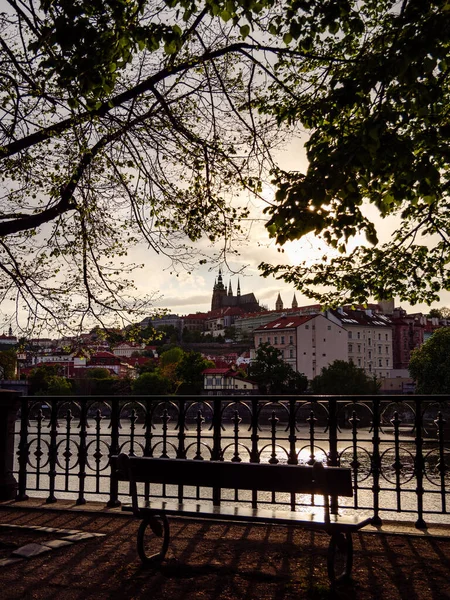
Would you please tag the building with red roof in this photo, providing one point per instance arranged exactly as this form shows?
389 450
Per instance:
222 381
308 343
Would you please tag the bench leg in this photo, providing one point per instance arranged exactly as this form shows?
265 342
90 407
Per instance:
340 556
153 538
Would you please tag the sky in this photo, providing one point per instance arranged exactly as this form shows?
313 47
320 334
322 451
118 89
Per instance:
186 293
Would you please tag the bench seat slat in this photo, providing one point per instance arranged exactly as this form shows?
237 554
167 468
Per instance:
314 519
335 481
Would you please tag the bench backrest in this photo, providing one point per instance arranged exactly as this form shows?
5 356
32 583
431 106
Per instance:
297 479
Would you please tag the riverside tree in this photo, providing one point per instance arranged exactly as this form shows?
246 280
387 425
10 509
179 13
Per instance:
430 364
373 94
121 122
342 377
130 121
273 374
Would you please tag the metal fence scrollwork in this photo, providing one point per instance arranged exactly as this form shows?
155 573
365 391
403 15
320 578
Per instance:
398 447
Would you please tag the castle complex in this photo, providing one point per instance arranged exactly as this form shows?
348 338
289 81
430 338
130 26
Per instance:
222 298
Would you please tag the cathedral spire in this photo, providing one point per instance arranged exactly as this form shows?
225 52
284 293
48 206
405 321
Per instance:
279 303
239 288
230 290
294 302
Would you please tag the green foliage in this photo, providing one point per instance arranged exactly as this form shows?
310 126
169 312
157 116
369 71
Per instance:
40 377
98 373
103 145
190 368
373 94
342 377
172 356
230 333
151 384
58 386
273 375
8 363
114 151
430 364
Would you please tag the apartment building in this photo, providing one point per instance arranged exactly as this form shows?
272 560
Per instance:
308 343
369 339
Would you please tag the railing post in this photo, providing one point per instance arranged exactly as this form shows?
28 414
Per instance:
254 452
216 453
114 450
292 459
23 450
332 459
440 422
419 466
9 404
376 462
53 451
82 454
181 451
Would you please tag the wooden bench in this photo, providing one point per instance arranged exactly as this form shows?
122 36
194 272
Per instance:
290 479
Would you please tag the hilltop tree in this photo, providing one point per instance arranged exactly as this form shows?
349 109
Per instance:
430 364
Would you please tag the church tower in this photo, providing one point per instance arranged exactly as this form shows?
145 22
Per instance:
219 291
279 303
294 302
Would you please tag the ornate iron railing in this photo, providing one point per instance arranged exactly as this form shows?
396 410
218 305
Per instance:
397 446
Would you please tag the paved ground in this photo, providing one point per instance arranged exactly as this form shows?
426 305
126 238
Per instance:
212 561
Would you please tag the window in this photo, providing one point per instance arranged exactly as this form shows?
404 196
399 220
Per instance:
387 349
359 362
379 336
282 339
329 327
350 334
275 340
370 354
350 347
387 337
387 362
268 340
359 335
260 341
291 354
306 326
380 362
291 339
282 353
369 341
359 347
379 349
209 381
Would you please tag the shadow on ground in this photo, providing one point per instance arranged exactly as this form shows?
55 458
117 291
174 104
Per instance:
221 561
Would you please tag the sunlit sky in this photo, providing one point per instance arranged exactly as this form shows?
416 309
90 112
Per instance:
190 293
